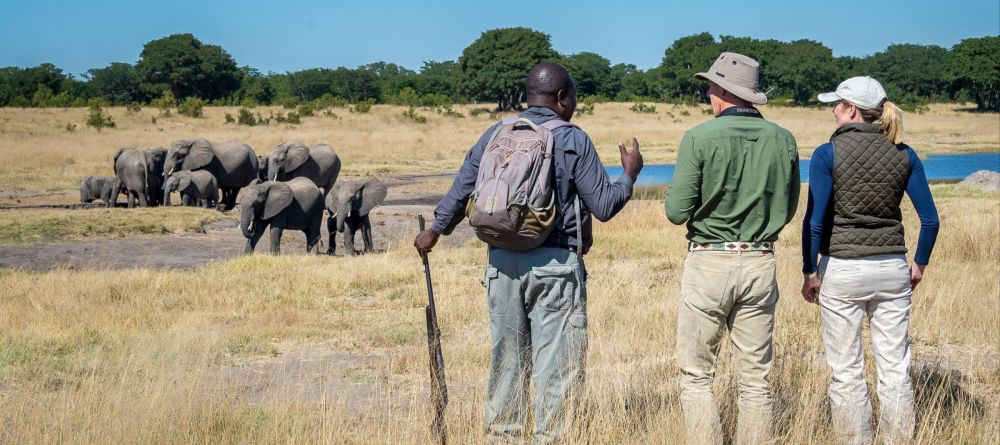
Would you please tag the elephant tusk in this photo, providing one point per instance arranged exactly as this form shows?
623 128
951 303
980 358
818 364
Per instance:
170 172
250 227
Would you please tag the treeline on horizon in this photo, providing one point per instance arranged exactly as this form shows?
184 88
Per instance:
492 69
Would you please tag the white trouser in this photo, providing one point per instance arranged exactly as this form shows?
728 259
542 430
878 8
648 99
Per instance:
877 286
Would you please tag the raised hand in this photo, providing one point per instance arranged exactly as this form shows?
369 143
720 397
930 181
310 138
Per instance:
631 160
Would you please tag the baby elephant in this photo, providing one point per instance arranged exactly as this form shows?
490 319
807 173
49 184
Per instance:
105 188
296 205
198 188
350 202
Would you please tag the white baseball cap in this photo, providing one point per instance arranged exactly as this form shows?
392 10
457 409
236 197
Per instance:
862 91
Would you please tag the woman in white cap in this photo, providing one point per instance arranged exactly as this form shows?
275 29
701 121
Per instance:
853 221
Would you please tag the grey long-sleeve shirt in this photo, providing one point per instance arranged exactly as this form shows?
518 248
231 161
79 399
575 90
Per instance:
578 170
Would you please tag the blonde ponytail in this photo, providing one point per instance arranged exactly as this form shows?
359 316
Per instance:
890 120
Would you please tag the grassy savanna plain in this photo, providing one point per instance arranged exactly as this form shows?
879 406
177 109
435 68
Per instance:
304 349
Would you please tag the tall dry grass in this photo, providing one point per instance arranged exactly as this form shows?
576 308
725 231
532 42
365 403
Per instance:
37 152
303 349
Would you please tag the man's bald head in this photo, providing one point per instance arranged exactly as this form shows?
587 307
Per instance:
546 79
550 86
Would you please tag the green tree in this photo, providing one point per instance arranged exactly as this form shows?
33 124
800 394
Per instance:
674 79
255 87
493 67
973 69
803 69
188 67
909 73
119 83
390 78
437 77
631 82
592 74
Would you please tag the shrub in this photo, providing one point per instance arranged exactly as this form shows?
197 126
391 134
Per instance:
293 118
133 107
448 112
191 107
229 119
410 113
306 110
97 119
328 100
261 120
70 127
477 111
330 113
165 102
585 109
640 107
363 107
287 101
19 101
246 117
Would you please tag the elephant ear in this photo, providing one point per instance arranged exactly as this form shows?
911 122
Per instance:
373 192
331 199
114 163
279 197
297 155
199 156
183 182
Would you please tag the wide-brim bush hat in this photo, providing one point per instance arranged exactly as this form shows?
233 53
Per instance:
737 74
862 91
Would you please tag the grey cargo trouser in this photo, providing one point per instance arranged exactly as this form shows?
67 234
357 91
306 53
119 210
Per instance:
538 324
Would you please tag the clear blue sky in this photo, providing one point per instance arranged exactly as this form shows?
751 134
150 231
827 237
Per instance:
293 35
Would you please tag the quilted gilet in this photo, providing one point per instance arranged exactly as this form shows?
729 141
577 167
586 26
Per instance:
869 178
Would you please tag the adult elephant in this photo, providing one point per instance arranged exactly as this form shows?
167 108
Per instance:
292 159
234 164
141 174
350 202
295 205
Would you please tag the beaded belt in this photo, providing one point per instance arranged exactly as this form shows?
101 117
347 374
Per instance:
763 246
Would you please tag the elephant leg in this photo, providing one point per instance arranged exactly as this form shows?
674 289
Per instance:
331 228
275 237
315 234
131 199
366 233
228 198
143 199
351 229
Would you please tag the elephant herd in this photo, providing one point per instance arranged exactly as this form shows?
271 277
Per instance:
287 190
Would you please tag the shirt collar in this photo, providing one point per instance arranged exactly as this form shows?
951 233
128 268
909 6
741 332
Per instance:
741 110
539 112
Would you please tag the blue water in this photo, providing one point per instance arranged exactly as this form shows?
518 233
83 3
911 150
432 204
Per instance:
937 167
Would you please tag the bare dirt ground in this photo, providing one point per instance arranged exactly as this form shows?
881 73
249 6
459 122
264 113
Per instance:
396 218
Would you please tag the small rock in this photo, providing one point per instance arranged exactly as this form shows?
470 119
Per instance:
985 180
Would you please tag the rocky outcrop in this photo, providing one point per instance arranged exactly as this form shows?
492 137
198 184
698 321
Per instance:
985 180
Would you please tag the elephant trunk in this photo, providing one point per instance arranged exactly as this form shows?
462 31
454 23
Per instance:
342 212
166 190
247 221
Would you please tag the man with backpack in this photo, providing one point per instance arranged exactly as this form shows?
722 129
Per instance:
534 182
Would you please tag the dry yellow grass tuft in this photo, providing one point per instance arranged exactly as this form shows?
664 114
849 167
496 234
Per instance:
303 349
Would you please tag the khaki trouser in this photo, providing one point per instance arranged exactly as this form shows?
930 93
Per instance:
538 323
726 290
876 287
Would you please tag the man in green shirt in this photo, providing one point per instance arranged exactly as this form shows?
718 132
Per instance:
736 186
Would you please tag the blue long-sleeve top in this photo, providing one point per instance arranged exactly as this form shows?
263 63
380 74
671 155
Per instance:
821 200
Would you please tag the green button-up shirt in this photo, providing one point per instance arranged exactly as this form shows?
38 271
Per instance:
737 179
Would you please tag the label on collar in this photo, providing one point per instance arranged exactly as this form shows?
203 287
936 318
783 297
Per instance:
740 110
